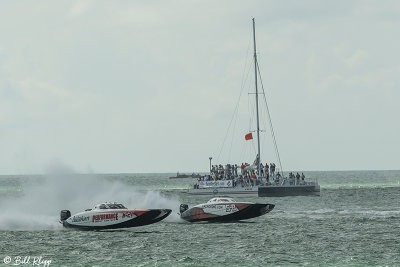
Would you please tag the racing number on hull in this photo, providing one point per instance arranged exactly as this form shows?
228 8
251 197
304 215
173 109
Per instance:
231 208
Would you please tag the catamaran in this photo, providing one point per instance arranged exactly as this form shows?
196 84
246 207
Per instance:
257 184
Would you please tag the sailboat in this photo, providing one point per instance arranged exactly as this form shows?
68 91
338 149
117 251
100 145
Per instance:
256 184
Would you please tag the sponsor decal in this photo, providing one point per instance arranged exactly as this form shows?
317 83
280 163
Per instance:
228 208
223 183
105 217
80 219
128 214
213 206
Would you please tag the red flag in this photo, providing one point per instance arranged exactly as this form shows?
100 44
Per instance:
248 136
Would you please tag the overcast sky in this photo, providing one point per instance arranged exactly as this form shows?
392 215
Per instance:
151 86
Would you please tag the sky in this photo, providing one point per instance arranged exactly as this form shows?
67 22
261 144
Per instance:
152 86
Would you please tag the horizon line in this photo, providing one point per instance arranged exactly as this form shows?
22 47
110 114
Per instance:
191 172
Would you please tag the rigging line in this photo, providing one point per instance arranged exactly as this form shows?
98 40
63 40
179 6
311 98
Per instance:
229 126
264 138
245 77
248 99
242 153
251 110
270 121
249 113
254 150
233 135
247 154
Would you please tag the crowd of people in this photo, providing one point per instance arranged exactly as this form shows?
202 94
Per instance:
246 174
295 179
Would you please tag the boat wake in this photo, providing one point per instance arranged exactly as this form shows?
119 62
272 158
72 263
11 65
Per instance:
361 186
323 214
39 204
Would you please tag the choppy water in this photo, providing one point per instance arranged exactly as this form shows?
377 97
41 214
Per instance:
355 222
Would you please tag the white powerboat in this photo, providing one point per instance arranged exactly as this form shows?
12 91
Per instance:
223 209
111 216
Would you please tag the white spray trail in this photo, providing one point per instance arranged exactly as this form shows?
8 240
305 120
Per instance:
40 205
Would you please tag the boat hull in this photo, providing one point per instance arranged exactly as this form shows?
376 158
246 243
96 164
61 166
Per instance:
310 189
185 176
116 219
226 212
288 190
222 191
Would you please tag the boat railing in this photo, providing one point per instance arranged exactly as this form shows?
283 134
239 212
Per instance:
280 182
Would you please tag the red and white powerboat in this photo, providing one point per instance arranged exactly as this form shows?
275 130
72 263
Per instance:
223 209
111 216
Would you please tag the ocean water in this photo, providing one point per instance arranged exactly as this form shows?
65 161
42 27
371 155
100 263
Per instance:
355 222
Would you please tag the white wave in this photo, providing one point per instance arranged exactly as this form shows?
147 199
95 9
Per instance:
360 186
375 213
330 213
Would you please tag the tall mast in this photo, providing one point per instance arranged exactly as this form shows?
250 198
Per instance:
255 76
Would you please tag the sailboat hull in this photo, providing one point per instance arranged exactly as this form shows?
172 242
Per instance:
221 191
309 189
288 190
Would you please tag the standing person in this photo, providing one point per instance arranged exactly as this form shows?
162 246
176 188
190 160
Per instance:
261 170
253 178
221 170
227 171
236 167
246 179
278 177
266 169
273 169
242 168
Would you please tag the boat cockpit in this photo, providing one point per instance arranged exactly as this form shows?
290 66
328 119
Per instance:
220 199
111 206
